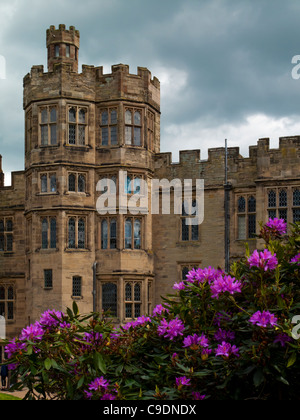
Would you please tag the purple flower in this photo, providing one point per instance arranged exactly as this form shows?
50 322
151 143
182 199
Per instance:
277 225
202 275
265 260
33 333
171 329
296 259
225 284
183 380
222 335
14 347
179 286
160 309
263 319
142 320
194 341
282 338
226 350
49 318
99 384
198 396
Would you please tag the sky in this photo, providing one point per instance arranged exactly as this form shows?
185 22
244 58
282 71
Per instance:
225 66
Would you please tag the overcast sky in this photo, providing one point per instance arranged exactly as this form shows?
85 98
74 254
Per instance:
225 66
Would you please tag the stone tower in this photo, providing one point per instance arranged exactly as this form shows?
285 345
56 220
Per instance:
80 128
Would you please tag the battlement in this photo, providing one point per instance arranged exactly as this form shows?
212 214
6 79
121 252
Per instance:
262 164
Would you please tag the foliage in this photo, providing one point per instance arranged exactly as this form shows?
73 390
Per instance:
220 336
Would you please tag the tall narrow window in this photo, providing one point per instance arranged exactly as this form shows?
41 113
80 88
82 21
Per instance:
45 234
71 233
6 235
108 127
77 125
296 205
81 183
48 280
7 298
77 233
52 233
246 217
133 299
72 182
251 217
81 233
133 127
189 232
109 298
104 234
76 286
128 234
44 183
48 126
137 234
113 234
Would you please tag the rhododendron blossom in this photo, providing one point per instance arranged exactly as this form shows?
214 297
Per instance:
265 260
263 319
195 341
296 259
225 284
226 350
171 329
279 226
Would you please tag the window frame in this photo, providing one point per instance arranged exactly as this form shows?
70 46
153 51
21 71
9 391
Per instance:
130 127
247 214
8 303
78 125
7 234
190 232
79 245
111 125
48 126
133 237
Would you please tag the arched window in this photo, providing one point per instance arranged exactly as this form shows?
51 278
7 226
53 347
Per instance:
296 197
81 233
251 205
53 233
72 183
137 234
128 234
113 234
81 183
71 233
272 201
109 298
241 205
104 234
9 225
44 234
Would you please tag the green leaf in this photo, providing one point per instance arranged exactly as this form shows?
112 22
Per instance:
75 308
99 362
48 363
292 360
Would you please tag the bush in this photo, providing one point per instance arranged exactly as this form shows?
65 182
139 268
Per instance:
220 336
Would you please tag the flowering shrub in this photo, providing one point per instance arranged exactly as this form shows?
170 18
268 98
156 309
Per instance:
220 336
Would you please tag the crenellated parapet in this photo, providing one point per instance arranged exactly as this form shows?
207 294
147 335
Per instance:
263 163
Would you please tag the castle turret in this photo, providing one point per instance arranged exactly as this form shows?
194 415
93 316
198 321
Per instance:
63 46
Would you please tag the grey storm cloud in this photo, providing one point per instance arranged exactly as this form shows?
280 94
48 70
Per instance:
224 65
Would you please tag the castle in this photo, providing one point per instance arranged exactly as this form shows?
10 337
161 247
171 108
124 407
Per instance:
55 247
